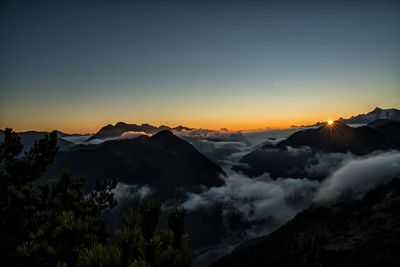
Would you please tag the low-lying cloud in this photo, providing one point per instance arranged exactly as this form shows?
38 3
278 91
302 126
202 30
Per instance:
360 175
260 202
128 135
78 139
321 165
126 192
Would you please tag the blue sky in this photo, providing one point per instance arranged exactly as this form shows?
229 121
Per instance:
77 65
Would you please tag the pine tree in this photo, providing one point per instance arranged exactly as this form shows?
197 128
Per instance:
57 225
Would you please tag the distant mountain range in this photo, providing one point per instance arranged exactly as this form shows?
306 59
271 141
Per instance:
355 233
378 113
111 131
162 161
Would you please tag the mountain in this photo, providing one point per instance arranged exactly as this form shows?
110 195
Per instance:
378 113
163 161
391 129
119 128
339 137
278 162
365 232
284 161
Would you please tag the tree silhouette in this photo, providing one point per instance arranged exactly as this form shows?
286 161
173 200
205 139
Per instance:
57 225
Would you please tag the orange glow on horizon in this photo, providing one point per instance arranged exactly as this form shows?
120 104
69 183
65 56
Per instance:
231 120
246 126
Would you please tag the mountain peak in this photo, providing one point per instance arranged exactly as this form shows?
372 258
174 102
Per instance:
164 161
335 124
339 137
111 131
163 133
378 113
120 124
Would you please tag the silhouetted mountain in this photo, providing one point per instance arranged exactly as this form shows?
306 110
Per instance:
355 233
378 113
119 128
182 128
279 161
339 137
163 161
391 129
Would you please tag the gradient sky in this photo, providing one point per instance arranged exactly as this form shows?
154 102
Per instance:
79 65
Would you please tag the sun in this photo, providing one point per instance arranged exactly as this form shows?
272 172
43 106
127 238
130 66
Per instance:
330 122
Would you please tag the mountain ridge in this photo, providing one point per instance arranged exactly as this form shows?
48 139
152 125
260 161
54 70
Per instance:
162 161
335 138
111 131
377 113
340 137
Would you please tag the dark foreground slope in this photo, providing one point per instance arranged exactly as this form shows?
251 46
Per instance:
355 233
163 161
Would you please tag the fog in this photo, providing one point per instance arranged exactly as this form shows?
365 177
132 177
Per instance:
127 192
360 175
260 202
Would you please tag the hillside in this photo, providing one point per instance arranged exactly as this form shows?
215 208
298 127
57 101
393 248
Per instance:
354 233
290 157
339 137
163 161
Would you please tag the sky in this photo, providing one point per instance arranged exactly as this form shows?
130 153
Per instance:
76 66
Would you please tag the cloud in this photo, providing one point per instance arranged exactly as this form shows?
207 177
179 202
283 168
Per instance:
262 203
123 136
126 192
321 165
360 175
218 151
79 139
268 135
128 135
218 146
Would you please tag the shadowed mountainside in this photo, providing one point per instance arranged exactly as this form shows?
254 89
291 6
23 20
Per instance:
163 161
348 233
283 161
339 137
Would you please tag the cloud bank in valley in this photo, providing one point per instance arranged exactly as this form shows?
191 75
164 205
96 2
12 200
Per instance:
260 202
128 135
360 175
127 192
264 204
80 139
